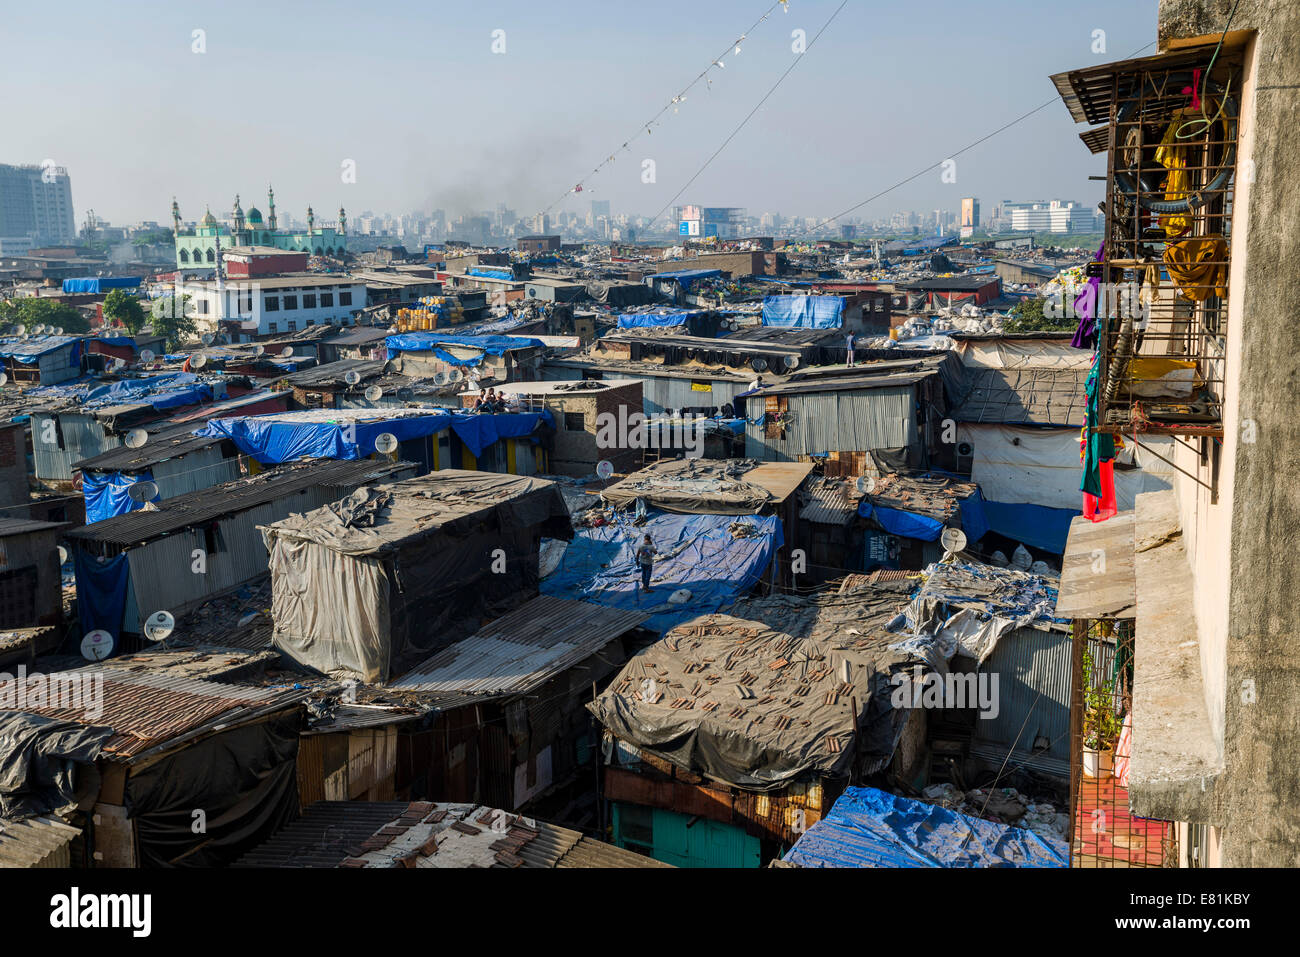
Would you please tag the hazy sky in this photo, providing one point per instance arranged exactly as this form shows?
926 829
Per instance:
414 95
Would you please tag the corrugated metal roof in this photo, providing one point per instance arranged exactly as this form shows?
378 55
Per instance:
22 526
522 650
149 709
830 502
1033 396
36 842
393 834
208 504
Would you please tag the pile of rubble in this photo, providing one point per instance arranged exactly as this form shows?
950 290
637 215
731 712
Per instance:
1003 806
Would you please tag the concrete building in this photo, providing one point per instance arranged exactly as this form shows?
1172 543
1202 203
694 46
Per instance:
271 305
35 208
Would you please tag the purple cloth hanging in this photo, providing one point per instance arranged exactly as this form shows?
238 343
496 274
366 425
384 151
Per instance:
1085 306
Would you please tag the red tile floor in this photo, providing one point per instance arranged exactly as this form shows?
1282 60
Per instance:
1107 835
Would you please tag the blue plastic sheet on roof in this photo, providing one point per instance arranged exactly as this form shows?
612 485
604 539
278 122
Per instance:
106 493
803 312
161 392
101 592
904 524
659 317
697 553
29 351
685 277
1036 525
489 272
973 520
871 828
271 440
432 341
97 284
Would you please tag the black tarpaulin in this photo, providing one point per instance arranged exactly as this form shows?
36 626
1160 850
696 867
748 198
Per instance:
45 763
244 781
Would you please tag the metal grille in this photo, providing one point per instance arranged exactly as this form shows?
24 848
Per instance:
1161 306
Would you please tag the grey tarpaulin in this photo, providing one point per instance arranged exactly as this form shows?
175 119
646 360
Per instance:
762 700
694 485
46 763
397 571
965 607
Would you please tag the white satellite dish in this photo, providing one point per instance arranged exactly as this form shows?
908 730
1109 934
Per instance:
198 361
374 393
385 442
97 645
457 375
792 362
286 352
159 625
953 540
758 365
4 378
20 330
146 355
58 330
208 338
38 329
604 469
352 377
259 350
119 363
63 555
136 438
440 378
866 485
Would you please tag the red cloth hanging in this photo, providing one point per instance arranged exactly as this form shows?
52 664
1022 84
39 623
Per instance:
1099 509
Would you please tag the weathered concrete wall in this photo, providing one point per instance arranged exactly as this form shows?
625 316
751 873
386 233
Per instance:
1258 683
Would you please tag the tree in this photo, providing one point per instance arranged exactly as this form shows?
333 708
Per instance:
34 311
1027 316
124 309
170 320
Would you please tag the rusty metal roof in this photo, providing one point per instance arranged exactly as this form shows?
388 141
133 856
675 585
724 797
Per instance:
830 502
423 834
522 650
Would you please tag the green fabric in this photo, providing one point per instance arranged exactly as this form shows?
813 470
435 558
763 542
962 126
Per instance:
1100 446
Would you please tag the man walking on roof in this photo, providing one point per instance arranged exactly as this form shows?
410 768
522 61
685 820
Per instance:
645 558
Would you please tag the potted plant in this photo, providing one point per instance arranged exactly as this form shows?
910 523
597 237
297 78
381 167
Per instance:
1101 725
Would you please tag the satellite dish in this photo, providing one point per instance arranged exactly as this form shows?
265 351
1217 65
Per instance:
58 331
406 394
20 330
119 363
953 540
259 350
866 485
198 361
143 491
146 355
385 442
791 362
97 645
604 469
208 338
758 365
63 555
159 625
457 375
440 378
136 438
374 393
38 329
352 377
4 378
286 352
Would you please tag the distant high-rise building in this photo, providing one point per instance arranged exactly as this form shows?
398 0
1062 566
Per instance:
35 207
970 212
599 208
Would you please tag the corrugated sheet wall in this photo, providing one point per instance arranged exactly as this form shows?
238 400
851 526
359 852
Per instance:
198 470
1033 669
662 392
83 437
837 422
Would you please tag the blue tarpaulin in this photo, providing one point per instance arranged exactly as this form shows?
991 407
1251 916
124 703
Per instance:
106 493
275 439
1038 526
98 284
872 828
803 312
433 342
29 351
490 272
697 553
659 317
905 524
101 591
161 392
684 277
